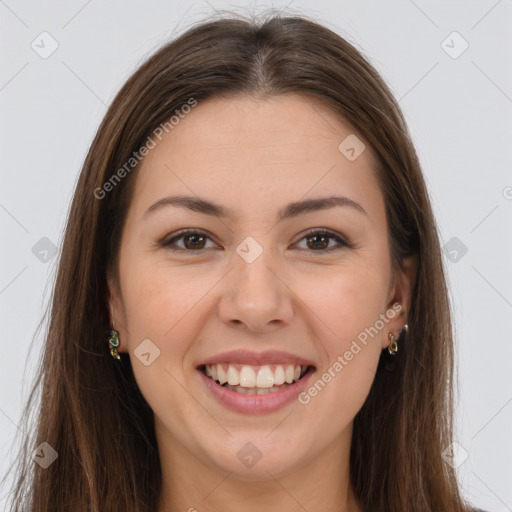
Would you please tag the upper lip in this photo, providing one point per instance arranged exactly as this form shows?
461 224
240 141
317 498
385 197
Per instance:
257 358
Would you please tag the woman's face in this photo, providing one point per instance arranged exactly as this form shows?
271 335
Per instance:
251 290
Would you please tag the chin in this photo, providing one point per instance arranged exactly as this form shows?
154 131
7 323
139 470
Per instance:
253 456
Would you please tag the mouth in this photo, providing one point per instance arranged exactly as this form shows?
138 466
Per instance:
251 382
256 380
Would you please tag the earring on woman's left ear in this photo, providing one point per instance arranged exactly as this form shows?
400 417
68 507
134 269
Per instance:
392 349
393 345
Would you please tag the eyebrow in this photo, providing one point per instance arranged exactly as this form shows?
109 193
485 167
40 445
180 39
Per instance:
199 205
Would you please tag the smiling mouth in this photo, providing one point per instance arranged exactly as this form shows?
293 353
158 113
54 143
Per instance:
255 380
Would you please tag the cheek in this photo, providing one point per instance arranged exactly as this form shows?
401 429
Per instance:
338 392
157 298
348 306
346 301
160 304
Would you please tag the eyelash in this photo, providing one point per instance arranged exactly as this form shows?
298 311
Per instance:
169 243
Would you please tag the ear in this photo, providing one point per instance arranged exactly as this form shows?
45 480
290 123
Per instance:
116 310
401 292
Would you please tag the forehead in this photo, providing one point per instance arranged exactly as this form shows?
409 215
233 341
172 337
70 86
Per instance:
255 154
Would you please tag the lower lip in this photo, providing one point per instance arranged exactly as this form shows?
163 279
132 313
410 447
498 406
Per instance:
256 404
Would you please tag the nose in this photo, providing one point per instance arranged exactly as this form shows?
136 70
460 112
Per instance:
256 295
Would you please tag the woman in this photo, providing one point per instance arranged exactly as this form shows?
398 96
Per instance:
252 229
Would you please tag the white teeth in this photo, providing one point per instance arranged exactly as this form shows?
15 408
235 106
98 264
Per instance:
279 376
233 375
257 391
288 374
247 377
221 375
265 377
262 378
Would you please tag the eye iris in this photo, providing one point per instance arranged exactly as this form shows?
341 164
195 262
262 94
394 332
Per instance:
324 237
193 236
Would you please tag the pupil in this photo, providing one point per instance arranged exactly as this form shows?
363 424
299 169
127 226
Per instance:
319 236
188 237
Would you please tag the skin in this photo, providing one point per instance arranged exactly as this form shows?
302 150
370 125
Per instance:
255 157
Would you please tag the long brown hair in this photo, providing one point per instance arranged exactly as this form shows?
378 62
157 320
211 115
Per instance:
91 410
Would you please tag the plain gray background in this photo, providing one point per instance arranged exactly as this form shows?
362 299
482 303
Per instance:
458 104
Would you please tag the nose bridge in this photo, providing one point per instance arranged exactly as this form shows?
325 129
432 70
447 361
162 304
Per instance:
253 294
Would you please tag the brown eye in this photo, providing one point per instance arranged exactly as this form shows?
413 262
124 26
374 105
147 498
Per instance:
196 241
318 241
192 241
